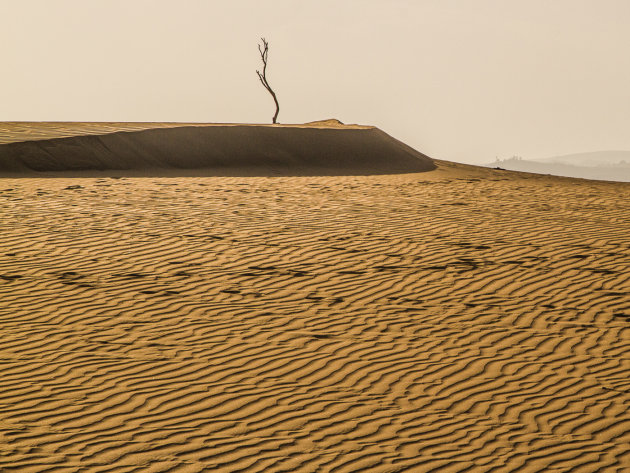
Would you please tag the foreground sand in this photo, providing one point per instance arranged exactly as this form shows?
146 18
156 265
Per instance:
453 320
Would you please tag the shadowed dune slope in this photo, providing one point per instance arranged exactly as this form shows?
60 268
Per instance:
219 150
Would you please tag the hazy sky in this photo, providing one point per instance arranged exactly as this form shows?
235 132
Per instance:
456 79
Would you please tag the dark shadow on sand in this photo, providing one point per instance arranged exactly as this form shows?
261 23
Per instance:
235 150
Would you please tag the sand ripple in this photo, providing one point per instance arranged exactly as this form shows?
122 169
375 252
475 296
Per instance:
423 322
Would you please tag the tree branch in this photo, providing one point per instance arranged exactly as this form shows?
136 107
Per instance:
264 54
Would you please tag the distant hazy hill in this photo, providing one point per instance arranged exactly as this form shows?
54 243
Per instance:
603 165
595 158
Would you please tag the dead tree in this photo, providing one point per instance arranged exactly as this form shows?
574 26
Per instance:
264 52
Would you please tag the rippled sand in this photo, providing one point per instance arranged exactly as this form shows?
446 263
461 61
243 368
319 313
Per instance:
462 319
11 132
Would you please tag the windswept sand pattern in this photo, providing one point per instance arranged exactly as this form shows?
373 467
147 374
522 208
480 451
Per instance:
444 321
11 132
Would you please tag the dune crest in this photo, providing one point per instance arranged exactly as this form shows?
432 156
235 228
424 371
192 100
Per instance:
11 132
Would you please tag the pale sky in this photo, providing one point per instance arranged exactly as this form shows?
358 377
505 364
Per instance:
463 80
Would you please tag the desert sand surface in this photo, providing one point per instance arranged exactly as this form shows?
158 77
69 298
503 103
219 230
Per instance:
457 319
619 172
11 132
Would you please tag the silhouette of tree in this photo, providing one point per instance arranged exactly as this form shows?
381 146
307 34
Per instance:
264 52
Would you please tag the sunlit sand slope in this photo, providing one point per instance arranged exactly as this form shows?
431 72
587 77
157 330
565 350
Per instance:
232 150
452 320
11 132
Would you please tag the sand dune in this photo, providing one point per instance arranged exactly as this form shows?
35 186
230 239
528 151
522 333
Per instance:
460 319
11 132
220 150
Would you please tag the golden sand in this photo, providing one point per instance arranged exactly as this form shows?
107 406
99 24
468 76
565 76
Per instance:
461 319
11 132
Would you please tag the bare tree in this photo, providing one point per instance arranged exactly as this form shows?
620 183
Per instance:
264 52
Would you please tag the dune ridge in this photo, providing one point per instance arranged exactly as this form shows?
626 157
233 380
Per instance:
220 150
456 320
11 132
